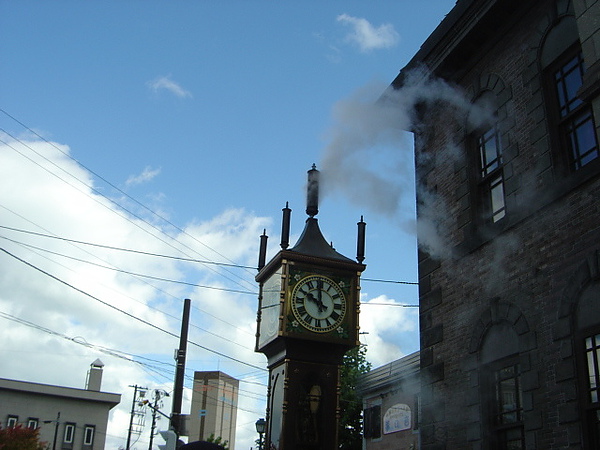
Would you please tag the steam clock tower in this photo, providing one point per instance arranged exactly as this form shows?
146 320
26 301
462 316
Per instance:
307 320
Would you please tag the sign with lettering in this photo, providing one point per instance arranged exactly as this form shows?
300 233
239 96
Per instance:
397 418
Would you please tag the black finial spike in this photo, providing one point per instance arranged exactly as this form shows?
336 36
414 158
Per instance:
262 253
312 192
285 227
360 243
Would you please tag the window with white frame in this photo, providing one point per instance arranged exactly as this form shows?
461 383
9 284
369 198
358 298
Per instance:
69 433
11 421
88 434
32 423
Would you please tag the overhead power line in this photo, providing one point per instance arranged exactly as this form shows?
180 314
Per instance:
115 211
126 271
80 341
388 304
156 367
157 288
390 281
112 185
145 322
178 258
128 250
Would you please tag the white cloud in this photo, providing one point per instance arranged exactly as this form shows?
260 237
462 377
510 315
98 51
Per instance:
169 85
33 199
383 326
147 175
368 37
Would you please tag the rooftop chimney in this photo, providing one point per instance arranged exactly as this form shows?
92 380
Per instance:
94 376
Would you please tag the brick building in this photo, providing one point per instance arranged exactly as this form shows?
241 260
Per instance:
508 199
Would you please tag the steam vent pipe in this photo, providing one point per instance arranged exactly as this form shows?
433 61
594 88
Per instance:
262 254
285 227
360 244
312 192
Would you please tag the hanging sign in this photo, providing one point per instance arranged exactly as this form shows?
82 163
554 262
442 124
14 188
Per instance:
397 418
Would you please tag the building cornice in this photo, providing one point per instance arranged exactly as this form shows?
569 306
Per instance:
59 391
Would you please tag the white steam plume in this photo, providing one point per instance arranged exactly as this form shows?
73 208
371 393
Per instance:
369 155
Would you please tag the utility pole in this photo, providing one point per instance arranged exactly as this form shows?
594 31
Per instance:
176 424
56 431
156 397
133 412
158 394
56 424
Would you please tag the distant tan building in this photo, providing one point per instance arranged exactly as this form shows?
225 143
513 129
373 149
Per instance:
68 418
390 396
214 407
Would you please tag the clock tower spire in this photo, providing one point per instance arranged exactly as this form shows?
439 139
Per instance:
307 320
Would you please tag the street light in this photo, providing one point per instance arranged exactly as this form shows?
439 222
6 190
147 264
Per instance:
261 425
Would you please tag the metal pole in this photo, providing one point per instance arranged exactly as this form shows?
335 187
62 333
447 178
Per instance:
56 431
131 418
180 370
154 411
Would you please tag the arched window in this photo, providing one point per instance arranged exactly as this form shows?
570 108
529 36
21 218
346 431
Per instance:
502 398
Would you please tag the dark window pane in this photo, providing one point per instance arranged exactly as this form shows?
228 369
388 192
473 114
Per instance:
489 152
514 439
88 438
507 421
497 198
582 134
595 416
376 422
573 82
593 368
577 123
569 79
492 180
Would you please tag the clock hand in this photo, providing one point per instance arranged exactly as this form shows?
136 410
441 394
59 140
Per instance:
320 295
311 298
318 302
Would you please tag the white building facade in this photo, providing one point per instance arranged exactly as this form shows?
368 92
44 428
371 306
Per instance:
68 418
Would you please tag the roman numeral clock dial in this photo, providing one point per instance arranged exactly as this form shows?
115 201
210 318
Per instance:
318 303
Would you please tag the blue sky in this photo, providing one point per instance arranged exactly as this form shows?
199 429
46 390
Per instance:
209 114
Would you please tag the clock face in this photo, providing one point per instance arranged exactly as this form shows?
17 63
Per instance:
269 324
318 303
